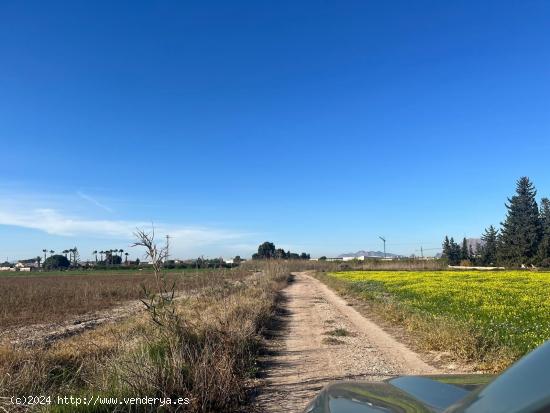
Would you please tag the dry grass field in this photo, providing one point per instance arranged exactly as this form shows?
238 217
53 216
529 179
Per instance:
204 347
53 297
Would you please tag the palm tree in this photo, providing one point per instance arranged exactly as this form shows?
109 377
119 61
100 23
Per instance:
65 252
101 254
51 252
126 259
72 254
38 259
120 251
44 251
95 253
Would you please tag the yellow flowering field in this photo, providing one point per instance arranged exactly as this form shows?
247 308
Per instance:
511 308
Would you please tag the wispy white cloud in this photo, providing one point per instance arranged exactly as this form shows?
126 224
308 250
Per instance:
87 223
53 222
93 201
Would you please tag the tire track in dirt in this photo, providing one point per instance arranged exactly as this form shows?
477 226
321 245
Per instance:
302 357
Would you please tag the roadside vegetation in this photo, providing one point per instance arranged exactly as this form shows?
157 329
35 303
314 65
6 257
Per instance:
202 347
487 317
339 332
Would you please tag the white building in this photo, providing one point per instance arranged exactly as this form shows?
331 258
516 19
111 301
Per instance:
359 258
32 263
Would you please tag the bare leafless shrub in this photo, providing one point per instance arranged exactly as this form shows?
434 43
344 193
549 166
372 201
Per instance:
159 301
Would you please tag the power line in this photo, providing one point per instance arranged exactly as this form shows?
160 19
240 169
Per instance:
422 249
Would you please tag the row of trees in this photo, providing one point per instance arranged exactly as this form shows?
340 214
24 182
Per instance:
202 262
523 238
112 257
267 250
455 253
71 257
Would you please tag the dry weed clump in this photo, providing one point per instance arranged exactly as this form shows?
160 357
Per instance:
82 361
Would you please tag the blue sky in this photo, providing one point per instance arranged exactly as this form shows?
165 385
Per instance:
317 125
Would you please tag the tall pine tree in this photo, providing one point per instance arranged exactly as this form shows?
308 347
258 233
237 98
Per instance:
544 246
522 230
454 258
451 251
488 251
446 247
464 251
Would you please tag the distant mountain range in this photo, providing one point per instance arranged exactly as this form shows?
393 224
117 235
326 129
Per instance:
474 243
368 254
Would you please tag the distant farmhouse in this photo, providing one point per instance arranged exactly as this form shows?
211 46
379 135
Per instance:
351 258
6 266
27 265
31 264
364 255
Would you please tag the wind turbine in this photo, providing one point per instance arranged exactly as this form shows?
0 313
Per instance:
384 241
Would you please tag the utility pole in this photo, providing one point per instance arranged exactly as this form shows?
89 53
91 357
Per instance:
421 251
384 241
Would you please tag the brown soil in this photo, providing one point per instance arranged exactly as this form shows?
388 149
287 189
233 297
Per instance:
40 334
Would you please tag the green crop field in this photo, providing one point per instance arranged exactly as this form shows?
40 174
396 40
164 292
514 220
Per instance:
507 309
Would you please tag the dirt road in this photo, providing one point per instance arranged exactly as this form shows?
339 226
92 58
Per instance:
322 339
